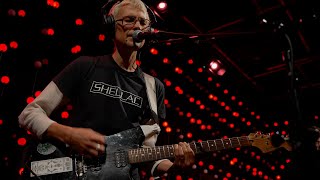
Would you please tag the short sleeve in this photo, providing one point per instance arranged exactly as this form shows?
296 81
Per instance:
70 77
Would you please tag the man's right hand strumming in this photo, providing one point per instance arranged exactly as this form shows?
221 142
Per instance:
85 141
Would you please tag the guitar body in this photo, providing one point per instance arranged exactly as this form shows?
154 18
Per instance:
51 161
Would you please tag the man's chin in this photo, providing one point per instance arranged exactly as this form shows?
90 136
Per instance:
134 44
138 45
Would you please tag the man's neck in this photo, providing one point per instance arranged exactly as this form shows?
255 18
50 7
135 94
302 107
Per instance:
126 62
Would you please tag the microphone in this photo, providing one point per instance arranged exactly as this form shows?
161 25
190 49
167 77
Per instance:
139 35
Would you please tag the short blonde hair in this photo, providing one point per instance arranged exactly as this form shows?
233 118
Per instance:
136 3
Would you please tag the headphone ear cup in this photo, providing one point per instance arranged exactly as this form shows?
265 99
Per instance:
109 25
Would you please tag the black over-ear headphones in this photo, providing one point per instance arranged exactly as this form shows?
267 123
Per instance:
109 20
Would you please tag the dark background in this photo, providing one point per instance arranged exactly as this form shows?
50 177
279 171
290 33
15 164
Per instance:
251 50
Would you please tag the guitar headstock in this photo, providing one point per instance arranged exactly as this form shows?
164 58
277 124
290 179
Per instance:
268 143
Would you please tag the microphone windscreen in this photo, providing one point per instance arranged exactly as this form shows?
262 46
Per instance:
136 35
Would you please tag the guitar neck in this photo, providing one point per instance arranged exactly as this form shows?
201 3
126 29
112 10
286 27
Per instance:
161 152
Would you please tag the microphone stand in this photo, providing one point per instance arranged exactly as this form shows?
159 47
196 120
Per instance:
297 128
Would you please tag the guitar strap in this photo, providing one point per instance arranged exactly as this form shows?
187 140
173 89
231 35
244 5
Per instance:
155 129
151 92
151 129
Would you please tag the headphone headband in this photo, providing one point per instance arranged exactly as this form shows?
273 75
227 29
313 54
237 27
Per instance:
109 20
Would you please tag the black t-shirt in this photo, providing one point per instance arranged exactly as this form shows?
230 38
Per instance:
105 97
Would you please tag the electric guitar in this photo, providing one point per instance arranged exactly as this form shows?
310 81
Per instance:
124 152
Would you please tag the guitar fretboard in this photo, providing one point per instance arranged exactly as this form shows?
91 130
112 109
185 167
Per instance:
161 152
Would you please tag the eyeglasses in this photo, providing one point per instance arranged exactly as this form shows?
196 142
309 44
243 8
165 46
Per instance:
131 21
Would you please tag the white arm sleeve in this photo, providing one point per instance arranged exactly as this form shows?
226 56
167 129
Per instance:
155 166
34 116
151 134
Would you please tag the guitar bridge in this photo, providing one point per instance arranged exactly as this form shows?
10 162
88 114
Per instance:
81 168
83 165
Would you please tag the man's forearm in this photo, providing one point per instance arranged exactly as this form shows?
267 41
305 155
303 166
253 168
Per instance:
59 132
164 166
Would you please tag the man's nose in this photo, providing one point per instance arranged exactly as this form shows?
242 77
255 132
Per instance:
137 23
